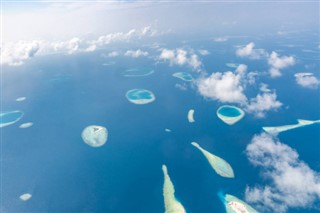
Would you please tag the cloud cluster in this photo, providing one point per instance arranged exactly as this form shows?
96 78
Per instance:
277 63
274 60
16 53
291 182
250 52
307 80
229 87
181 57
224 87
263 103
136 53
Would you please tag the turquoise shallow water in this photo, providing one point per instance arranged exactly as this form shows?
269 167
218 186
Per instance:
184 76
135 72
9 117
229 111
137 94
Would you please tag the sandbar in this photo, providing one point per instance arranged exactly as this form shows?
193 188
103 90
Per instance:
191 116
171 204
95 136
221 166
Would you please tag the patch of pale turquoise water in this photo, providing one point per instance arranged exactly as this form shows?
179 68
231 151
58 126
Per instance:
229 111
7 118
183 75
135 72
137 94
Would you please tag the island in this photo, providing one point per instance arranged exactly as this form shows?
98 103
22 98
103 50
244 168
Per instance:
221 166
278 129
235 205
230 114
95 136
171 204
140 96
190 116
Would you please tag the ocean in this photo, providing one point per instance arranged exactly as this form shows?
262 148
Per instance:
66 93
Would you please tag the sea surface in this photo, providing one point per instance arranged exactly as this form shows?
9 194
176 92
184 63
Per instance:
66 93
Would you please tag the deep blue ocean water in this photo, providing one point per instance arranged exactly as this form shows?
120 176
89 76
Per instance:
67 93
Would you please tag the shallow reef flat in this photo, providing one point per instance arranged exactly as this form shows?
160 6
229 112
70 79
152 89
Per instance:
235 205
232 65
26 125
191 116
95 136
140 96
25 197
221 166
171 204
183 76
21 99
230 114
9 118
278 129
134 72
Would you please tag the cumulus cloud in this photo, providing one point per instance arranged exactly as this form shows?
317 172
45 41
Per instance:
181 57
249 52
264 87
15 53
136 53
204 52
291 182
241 69
263 103
224 87
229 87
71 46
307 80
277 63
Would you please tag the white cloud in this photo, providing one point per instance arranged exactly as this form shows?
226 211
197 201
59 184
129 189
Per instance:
136 53
221 39
224 87
204 52
241 69
181 57
264 87
15 53
229 87
113 54
263 103
250 52
71 46
277 63
251 77
291 182
307 80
